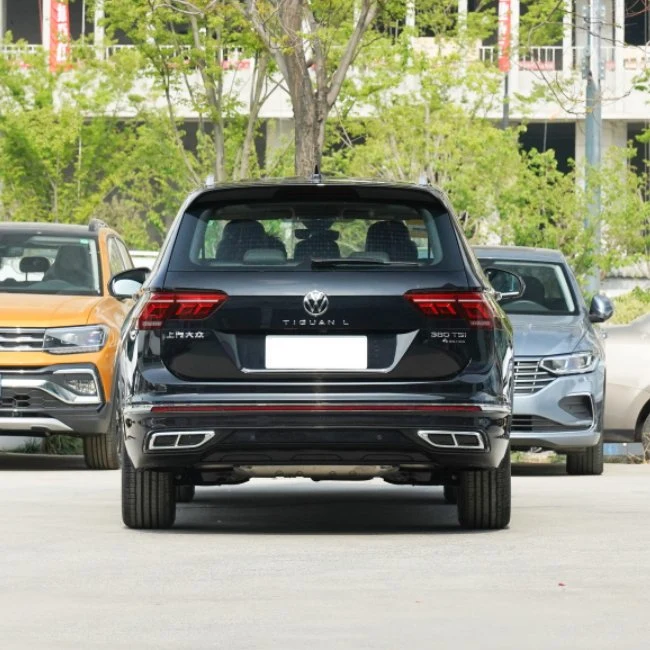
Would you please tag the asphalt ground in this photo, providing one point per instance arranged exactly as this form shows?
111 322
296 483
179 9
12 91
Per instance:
296 564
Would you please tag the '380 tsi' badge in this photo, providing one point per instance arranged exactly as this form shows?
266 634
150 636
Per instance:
316 303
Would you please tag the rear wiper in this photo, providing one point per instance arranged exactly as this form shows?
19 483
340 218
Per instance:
322 263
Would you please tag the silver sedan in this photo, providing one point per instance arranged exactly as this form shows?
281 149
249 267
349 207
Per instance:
559 359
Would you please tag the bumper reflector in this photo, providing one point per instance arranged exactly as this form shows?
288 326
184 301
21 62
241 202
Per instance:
317 408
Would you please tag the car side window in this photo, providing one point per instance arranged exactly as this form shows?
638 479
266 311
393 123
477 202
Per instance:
126 256
115 259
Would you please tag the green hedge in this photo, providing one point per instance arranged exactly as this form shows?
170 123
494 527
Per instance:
630 306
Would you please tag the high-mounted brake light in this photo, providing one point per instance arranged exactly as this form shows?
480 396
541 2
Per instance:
163 306
470 306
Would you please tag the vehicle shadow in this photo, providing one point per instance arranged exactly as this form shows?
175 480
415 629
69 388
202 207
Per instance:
304 508
40 462
539 469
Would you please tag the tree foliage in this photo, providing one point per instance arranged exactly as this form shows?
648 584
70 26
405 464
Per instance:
111 138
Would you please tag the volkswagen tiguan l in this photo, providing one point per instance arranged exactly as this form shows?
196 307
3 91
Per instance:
326 330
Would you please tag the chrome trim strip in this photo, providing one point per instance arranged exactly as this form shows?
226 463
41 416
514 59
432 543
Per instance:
36 425
501 410
53 389
207 435
425 433
21 339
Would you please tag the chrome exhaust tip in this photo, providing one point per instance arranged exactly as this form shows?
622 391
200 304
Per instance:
453 439
164 440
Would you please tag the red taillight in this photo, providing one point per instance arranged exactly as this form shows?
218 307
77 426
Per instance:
182 306
470 306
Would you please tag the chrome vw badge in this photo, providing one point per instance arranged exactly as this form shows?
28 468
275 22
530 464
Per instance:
316 303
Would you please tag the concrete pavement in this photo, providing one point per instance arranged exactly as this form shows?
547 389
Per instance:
295 564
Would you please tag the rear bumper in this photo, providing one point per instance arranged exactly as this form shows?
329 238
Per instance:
319 433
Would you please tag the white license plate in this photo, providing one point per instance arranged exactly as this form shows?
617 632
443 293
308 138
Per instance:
316 352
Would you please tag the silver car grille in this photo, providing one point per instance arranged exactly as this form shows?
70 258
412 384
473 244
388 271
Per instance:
16 339
530 378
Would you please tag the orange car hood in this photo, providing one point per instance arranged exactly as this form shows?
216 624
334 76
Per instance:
37 310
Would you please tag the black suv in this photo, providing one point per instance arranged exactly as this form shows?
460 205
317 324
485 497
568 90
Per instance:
326 330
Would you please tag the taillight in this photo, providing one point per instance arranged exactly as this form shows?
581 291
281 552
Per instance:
466 305
164 306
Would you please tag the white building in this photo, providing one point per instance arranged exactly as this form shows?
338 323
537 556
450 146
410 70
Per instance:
552 124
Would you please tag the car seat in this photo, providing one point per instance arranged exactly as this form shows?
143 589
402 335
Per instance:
392 238
72 265
238 237
534 291
319 243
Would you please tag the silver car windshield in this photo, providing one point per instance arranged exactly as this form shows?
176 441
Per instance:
547 288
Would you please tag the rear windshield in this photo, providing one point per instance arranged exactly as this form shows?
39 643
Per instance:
548 290
48 264
304 234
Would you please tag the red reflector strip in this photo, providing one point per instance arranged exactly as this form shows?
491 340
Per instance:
319 408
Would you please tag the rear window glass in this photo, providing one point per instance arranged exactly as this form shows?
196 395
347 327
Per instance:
299 235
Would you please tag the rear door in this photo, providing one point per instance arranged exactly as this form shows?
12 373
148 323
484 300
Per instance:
318 288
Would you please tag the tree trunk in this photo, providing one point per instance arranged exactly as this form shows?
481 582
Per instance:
256 100
308 151
307 124
283 33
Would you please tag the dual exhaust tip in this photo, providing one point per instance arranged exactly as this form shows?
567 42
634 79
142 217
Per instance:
453 439
164 440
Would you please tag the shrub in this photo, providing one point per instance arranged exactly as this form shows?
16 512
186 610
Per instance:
631 306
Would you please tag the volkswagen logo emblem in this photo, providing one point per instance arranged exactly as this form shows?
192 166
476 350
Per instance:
316 303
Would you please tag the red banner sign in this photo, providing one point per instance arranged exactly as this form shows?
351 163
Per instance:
505 34
59 34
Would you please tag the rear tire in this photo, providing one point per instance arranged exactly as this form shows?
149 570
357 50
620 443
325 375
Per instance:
586 463
185 493
103 451
148 497
451 494
484 497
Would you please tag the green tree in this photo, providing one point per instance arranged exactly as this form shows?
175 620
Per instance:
67 153
189 50
314 44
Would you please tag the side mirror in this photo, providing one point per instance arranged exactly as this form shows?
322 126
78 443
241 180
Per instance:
126 284
601 309
508 285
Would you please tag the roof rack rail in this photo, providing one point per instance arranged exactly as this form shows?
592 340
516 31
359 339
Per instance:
95 224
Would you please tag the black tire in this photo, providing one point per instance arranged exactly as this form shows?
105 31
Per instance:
103 451
185 493
484 497
451 494
645 439
148 497
586 463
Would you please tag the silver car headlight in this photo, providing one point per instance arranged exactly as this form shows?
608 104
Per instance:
75 340
570 364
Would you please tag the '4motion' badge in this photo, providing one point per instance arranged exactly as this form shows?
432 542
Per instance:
316 303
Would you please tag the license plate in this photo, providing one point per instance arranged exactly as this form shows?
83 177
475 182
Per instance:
316 352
